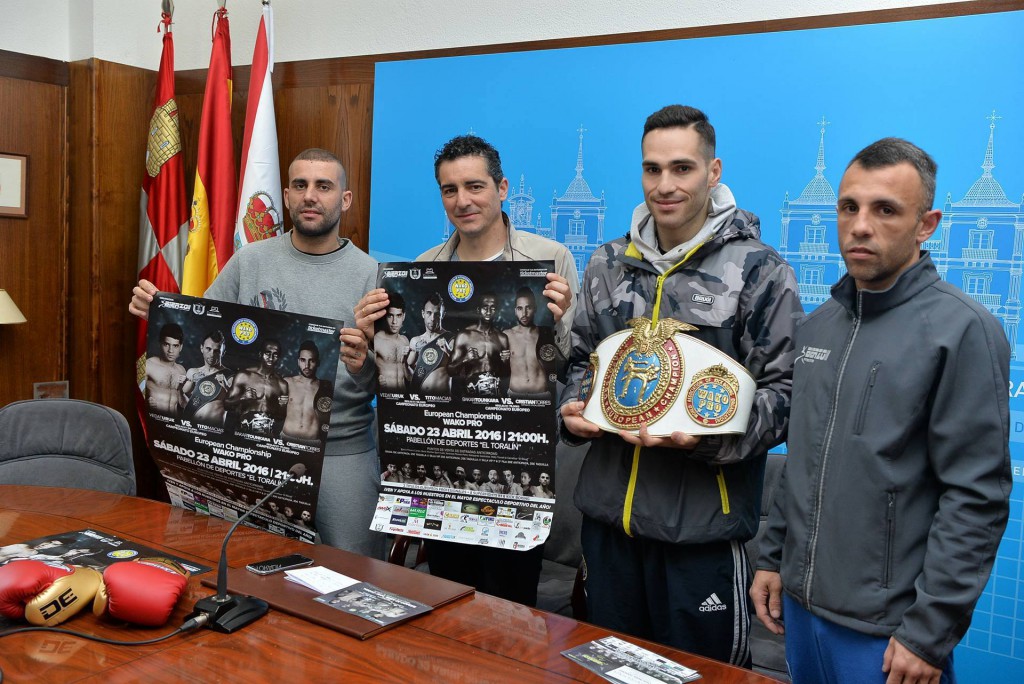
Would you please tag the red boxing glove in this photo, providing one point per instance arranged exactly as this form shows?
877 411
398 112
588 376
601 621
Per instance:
143 591
45 594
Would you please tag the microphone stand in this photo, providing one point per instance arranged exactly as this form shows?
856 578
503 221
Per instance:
224 612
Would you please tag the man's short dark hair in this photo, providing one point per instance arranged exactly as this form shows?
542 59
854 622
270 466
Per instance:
320 155
435 299
526 293
310 346
396 301
172 330
893 151
469 146
215 336
269 341
681 116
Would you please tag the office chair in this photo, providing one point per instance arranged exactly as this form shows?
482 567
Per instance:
767 650
66 443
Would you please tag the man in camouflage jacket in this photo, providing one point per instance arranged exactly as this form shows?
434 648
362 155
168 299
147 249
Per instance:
665 517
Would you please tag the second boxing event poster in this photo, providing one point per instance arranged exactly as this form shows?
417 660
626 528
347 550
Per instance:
467 368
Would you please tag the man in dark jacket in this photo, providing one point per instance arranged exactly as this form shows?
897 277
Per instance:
895 493
665 518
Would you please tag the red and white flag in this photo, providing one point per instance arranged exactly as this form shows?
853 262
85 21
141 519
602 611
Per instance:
259 184
163 224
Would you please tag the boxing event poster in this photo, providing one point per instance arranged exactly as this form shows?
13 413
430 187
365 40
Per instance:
467 365
90 549
237 396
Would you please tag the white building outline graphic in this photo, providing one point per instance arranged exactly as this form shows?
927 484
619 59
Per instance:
576 216
979 246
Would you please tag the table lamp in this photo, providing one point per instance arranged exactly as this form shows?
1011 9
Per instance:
9 312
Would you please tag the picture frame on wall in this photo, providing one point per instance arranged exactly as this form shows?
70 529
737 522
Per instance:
13 182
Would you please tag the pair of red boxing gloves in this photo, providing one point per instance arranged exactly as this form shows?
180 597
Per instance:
143 591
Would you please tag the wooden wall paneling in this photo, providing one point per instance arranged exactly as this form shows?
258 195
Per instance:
190 112
83 352
32 68
337 118
33 250
109 115
190 109
356 146
123 97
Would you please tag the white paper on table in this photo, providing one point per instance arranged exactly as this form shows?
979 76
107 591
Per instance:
320 579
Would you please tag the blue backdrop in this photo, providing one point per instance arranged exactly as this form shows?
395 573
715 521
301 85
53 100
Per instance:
790 109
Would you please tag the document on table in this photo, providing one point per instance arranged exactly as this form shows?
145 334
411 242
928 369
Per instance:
625 663
320 579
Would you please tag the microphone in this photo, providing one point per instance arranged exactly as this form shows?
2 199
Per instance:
224 612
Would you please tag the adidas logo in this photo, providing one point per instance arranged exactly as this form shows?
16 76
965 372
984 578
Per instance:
712 603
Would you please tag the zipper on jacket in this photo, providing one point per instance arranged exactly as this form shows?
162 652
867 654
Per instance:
723 491
627 504
890 536
858 425
812 543
655 314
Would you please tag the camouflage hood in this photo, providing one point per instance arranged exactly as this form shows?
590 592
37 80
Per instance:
719 223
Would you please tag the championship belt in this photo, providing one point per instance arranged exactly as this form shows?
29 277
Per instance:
547 350
656 374
431 357
484 384
206 390
258 423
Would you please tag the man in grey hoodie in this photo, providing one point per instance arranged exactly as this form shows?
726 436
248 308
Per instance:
665 518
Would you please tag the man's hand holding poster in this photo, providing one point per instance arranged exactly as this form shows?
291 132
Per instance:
237 396
467 369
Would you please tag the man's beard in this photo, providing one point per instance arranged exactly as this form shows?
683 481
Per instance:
328 224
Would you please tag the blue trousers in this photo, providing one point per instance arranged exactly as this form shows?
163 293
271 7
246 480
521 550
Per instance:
821 652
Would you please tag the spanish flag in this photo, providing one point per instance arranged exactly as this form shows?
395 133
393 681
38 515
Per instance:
213 200
163 221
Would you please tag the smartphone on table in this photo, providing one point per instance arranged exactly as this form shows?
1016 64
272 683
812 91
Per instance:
279 564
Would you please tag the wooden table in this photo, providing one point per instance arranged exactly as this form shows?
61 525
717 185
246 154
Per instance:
477 639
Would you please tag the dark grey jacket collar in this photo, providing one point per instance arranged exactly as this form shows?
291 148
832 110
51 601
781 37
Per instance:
908 284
